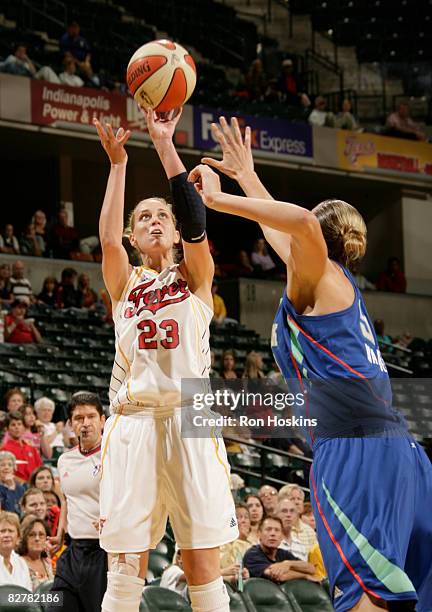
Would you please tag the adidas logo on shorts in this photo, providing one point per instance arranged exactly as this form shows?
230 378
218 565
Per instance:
233 522
337 592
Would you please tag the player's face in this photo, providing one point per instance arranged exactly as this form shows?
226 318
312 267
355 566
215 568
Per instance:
37 539
243 521
87 424
270 534
36 504
44 481
154 230
8 538
287 513
255 510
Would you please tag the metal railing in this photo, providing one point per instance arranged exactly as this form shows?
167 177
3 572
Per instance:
312 57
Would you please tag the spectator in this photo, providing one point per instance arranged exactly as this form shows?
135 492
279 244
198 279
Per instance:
14 399
231 553
315 557
52 500
5 286
213 373
20 64
256 82
400 125
319 116
43 479
228 365
363 283
261 260
34 429
53 432
88 297
32 548
33 503
39 221
383 339
11 491
69 76
219 308
300 530
18 329
289 87
269 498
268 560
245 266
31 243
27 455
254 365
272 93
256 515
13 569
392 279
21 286
345 120
8 241
307 515
287 512
173 577
63 238
75 47
67 295
48 295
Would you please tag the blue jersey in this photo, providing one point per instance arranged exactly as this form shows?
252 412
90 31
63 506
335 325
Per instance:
335 360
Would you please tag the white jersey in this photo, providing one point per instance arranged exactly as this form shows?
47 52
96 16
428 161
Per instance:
80 480
162 336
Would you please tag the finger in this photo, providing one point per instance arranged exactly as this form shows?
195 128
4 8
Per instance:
226 130
235 128
100 130
150 117
218 136
194 174
125 137
119 133
110 131
214 163
248 138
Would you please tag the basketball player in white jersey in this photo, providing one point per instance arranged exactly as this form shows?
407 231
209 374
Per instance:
162 313
81 569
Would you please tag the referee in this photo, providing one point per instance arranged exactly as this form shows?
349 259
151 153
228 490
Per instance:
82 569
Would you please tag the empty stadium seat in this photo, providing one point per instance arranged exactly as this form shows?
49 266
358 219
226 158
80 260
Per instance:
163 600
310 596
157 563
266 596
12 589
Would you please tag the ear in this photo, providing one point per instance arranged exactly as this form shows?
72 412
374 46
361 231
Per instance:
132 240
177 237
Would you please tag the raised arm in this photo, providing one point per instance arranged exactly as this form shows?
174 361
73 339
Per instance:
188 208
115 262
237 163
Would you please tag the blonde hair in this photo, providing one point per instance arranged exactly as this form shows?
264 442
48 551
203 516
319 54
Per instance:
251 366
286 491
12 519
344 231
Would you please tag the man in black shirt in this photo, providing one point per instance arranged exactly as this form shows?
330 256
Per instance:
267 560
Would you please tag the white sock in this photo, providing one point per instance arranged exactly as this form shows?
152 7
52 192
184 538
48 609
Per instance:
211 597
123 593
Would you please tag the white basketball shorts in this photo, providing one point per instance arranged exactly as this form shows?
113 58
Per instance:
149 472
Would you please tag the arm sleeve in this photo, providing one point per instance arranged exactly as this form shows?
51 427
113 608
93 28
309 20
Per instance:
256 563
188 208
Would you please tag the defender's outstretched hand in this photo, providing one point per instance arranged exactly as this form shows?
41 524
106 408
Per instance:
113 144
237 158
160 130
206 182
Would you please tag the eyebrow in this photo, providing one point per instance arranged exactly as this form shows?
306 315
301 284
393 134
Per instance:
147 210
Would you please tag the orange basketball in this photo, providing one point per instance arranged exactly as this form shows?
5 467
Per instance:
161 75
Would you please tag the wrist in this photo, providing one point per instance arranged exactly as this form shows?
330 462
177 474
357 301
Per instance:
121 164
247 179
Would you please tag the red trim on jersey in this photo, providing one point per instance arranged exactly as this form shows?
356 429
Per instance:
336 543
299 376
323 348
95 450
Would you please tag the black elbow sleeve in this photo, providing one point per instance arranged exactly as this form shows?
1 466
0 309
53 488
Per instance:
188 208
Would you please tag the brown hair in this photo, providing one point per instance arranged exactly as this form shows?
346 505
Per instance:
307 508
269 518
13 391
344 231
26 526
29 493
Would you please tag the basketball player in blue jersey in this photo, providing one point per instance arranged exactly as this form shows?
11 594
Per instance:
162 312
371 483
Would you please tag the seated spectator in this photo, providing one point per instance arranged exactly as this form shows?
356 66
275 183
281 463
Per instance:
14 399
173 576
53 432
383 339
48 295
273 93
5 286
11 491
21 286
305 534
269 499
67 295
288 85
13 569
255 80
345 120
261 260
320 116
400 125
75 47
228 365
8 241
20 64
213 373
316 559
88 297
363 283
392 279
33 503
253 365
268 560
32 548
63 238
52 499
34 429
18 329
31 243
231 553
219 308
287 512
42 478
39 221
307 515
69 76
256 515
28 456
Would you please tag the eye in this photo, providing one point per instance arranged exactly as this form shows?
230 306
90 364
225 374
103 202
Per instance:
163 215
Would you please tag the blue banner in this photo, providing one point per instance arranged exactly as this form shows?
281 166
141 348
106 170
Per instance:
270 137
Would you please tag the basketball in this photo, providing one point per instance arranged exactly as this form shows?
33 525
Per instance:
161 75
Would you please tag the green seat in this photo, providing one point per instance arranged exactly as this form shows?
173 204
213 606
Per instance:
238 603
310 596
163 600
44 588
266 596
157 563
12 589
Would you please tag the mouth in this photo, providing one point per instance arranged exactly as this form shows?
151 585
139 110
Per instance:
156 232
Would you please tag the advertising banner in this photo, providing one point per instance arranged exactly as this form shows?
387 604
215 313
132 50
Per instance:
360 152
270 137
